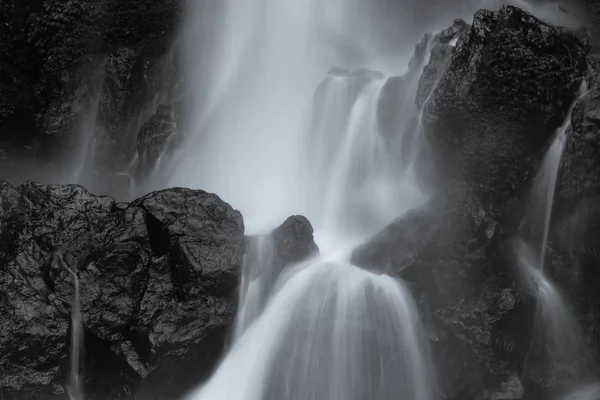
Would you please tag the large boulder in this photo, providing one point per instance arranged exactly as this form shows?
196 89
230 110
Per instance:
450 252
157 280
506 87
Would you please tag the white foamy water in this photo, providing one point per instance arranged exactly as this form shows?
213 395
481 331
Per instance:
332 331
272 146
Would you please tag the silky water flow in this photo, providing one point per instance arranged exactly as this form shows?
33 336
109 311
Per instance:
272 146
554 318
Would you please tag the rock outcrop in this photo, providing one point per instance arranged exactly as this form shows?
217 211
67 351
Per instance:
491 102
506 87
450 252
157 280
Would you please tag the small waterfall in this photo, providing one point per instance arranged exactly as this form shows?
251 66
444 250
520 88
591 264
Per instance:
258 277
536 223
554 320
73 387
353 184
332 331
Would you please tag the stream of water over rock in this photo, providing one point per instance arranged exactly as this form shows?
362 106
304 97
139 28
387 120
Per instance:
554 318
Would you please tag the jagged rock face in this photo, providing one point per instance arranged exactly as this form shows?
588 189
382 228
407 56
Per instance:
507 86
157 280
450 253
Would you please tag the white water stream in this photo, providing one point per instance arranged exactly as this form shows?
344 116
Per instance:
554 318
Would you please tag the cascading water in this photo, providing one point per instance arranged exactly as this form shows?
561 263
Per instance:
332 331
324 329
74 387
258 277
73 384
536 223
554 319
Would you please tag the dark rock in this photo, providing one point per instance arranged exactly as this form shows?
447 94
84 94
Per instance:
268 255
450 253
80 66
293 241
454 31
508 85
266 258
580 167
438 60
157 279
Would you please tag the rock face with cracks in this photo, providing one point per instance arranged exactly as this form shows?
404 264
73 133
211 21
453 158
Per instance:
157 277
157 281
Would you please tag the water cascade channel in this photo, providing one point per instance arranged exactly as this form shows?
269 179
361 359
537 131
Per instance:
554 318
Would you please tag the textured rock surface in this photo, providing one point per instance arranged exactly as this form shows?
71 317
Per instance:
157 280
293 241
507 86
79 68
580 169
267 256
449 251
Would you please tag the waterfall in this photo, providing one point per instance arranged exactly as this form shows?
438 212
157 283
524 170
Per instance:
332 331
258 277
264 139
73 386
554 319
536 223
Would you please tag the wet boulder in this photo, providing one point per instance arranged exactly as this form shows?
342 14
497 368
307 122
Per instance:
268 255
450 253
507 86
157 281
293 240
